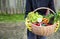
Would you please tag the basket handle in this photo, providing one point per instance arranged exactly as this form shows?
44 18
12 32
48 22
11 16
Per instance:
44 8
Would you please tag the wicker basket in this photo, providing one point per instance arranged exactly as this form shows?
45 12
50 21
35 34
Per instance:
43 30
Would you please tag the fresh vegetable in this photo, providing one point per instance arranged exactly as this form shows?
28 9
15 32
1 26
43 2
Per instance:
37 19
33 18
57 20
57 27
45 21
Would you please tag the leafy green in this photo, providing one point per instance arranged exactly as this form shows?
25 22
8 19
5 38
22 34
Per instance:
34 16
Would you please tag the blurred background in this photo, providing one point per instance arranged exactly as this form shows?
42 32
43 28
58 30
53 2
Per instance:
18 6
12 6
12 19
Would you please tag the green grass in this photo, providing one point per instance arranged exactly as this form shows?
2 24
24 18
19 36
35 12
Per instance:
11 18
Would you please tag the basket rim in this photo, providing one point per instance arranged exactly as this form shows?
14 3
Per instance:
44 8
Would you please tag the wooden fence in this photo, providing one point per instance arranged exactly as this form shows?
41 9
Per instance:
17 6
12 6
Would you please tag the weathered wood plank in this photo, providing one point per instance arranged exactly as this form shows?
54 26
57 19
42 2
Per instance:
18 6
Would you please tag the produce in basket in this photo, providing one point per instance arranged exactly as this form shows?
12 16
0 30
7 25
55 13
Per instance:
57 20
36 19
33 18
39 20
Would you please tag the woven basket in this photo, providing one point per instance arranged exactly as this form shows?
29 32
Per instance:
43 30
